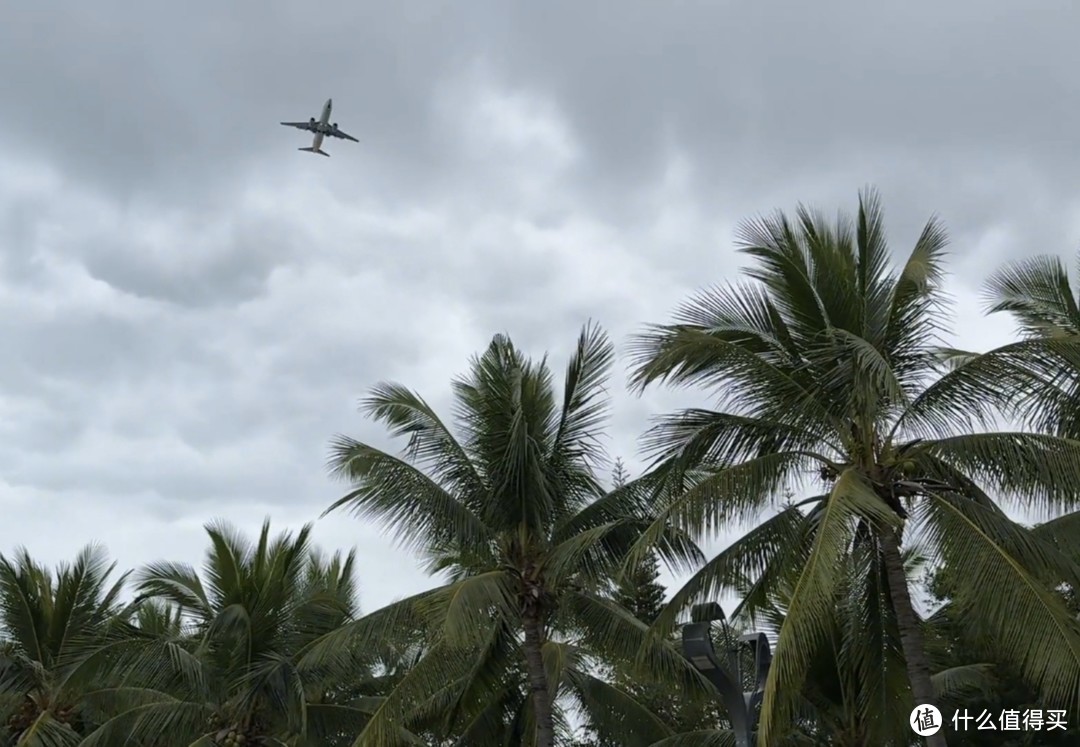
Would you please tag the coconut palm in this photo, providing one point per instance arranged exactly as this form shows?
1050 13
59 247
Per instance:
949 643
1037 293
215 659
830 366
50 626
510 508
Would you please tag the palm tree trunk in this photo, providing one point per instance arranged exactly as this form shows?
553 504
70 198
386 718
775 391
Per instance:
911 638
538 684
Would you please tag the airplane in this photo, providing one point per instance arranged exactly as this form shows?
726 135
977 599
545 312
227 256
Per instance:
321 128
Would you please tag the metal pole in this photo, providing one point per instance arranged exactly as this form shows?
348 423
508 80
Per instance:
742 706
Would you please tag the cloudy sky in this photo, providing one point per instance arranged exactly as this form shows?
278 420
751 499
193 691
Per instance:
191 308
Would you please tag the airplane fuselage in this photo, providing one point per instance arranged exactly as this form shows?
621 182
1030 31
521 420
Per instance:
324 121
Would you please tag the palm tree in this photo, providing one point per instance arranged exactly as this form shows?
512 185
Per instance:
50 626
1001 688
1037 293
829 365
510 507
216 659
854 694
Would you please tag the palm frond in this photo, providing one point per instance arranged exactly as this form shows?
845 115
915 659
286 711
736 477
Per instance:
465 609
394 492
1036 291
614 713
585 407
746 558
810 608
1030 624
964 679
1032 469
432 446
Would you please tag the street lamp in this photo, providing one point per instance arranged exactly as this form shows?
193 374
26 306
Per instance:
728 677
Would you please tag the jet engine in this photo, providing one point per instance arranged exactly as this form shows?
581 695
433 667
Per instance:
312 121
334 126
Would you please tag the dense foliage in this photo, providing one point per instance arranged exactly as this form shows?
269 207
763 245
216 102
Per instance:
884 483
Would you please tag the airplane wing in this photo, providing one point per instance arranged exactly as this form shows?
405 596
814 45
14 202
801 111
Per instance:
299 125
342 135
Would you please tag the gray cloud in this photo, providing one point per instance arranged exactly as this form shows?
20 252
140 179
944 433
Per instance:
191 308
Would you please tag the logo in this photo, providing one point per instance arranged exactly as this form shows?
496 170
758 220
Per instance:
925 720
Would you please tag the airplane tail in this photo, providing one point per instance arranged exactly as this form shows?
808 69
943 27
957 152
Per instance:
316 150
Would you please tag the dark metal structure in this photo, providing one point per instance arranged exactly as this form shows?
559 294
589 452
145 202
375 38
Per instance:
728 675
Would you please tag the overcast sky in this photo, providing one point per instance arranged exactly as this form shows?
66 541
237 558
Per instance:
191 308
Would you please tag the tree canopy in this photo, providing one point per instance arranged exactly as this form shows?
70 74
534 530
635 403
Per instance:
904 516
